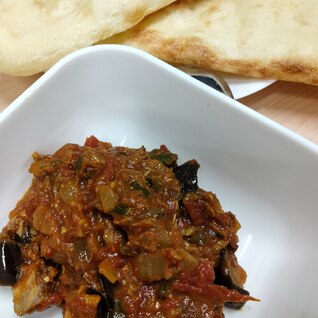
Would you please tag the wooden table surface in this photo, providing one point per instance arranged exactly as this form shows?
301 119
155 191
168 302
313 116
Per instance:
293 105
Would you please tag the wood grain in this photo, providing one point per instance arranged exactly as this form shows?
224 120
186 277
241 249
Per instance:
293 105
12 86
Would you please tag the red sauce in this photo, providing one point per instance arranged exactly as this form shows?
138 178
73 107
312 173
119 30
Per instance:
116 224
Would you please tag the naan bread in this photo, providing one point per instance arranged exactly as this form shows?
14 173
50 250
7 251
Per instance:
34 34
259 38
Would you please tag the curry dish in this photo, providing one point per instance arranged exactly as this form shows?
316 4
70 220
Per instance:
109 231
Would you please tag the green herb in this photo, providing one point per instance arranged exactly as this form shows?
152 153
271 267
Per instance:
198 238
120 210
78 163
136 186
154 183
166 157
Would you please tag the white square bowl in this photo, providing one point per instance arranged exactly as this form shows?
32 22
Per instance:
265 174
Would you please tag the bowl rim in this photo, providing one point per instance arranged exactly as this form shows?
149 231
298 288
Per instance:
100 48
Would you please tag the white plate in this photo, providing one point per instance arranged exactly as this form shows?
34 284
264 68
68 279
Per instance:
244 86
265 174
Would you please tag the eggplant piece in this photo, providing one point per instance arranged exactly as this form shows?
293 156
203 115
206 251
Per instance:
10 261
25 236
240 304
30 290
231 275
187 175
114 308
103 309
108 288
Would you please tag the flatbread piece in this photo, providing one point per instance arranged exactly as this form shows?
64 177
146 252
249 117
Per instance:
268 39
34 34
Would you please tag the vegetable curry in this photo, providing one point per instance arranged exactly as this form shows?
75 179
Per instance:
109 231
